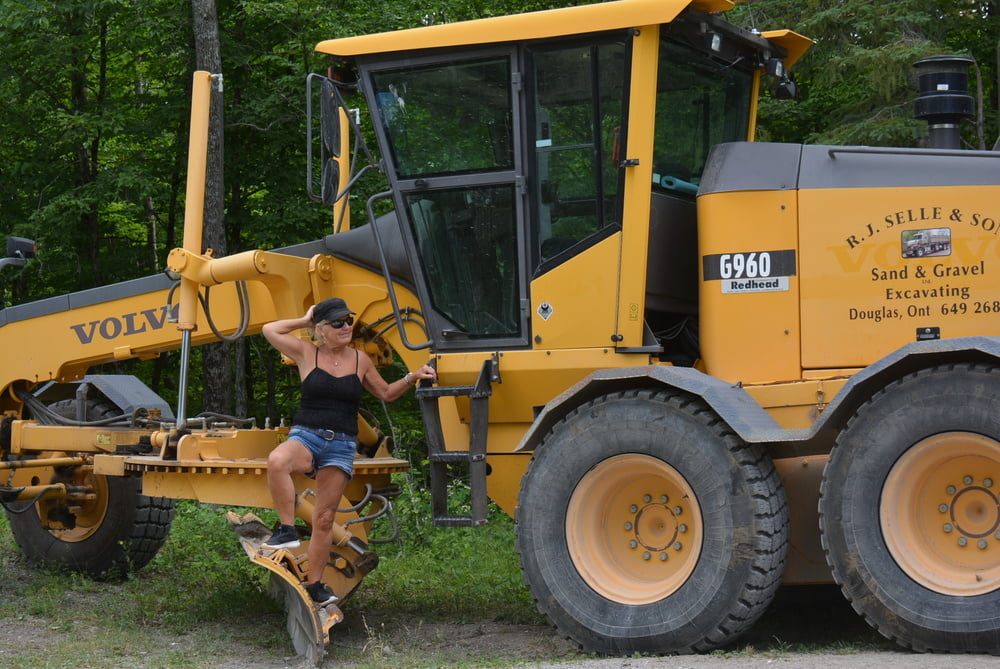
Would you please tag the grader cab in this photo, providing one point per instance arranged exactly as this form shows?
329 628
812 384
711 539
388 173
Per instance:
693 367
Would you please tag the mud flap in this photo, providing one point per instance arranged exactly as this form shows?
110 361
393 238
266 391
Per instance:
308 625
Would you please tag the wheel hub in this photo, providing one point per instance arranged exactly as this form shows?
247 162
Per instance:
80 514
656 526
974 511
940 513
634 529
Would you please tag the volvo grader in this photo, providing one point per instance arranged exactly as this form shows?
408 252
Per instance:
693 367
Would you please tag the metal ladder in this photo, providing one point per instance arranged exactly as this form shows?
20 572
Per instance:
440 459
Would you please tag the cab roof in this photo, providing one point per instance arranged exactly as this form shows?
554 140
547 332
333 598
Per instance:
531 25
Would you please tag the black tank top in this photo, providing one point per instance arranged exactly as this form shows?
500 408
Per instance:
330 402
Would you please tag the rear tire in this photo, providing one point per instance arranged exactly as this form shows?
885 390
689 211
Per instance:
645 525
909 510
119 531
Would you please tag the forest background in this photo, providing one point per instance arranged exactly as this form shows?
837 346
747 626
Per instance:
93 134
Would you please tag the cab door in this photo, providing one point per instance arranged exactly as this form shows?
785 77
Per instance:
450 126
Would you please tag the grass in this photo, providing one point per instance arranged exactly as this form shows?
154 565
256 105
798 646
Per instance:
198 581
440 597
201 599
422 573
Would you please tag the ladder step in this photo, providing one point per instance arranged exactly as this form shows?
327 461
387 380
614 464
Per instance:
457 521
445 391
452 457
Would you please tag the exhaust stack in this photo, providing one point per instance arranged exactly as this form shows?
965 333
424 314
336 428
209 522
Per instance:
944 99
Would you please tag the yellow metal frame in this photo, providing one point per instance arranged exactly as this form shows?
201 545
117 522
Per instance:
635 214
527 26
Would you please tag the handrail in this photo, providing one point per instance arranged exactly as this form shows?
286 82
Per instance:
901 151
388 276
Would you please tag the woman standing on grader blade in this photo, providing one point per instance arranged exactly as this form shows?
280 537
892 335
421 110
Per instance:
323 437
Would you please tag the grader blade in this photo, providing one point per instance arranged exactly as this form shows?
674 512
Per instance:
308 625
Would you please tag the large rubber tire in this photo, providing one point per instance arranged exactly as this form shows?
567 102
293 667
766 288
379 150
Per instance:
909 510
645 525
118 532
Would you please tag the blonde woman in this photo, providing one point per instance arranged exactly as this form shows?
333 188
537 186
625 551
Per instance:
323 437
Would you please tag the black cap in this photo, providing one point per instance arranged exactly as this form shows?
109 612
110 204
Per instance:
330 310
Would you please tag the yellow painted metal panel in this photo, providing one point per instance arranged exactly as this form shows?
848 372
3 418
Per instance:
573 305
529 379
31 437
241 483
504 481
801 477
754 97
795 44
797 404
531 25
750 318
865 289
635 232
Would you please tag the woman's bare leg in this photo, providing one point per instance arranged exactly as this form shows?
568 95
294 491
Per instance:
330 485
287 459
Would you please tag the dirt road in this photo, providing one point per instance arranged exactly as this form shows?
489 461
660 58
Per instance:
811 628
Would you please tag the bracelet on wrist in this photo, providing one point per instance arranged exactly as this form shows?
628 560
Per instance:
406 379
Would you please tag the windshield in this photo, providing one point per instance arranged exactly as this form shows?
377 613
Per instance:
700 102
447 118
450 129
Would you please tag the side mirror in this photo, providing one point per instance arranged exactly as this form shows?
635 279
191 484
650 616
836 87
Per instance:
21 247
330 182
327 159
19 251
330 118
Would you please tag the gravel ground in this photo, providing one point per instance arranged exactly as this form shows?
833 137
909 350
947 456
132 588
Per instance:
866 660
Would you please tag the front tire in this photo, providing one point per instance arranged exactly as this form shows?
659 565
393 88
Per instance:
117 531
909 510
645 525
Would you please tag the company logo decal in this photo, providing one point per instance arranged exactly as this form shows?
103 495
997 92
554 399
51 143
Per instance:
114 327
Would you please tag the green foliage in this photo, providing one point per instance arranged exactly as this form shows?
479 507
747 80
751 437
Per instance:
857 83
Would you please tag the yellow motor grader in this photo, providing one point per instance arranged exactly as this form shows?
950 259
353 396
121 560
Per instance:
693 367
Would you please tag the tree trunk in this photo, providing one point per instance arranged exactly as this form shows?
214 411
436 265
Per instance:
217 375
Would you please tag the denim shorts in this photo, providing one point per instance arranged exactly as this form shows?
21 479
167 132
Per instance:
328 448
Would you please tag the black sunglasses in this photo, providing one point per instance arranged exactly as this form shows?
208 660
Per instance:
340 322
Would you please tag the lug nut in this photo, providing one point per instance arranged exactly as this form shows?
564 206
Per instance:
948 527
967 480
678 546
633 544
682 528
647 498
628 526
646 555
943 508
988 482
983 544
633 508
962 541
678 510
951 490
664 557
664 499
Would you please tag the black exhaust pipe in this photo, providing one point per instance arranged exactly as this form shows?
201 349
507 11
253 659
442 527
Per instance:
944 99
